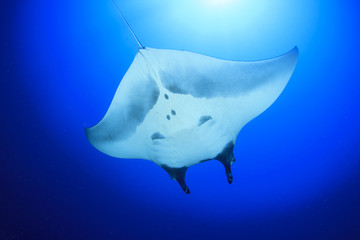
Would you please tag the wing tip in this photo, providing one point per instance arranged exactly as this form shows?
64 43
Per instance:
88 135
291 57
295 49
294 53
92 137
86 130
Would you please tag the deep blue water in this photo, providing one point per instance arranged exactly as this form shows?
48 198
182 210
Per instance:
297 170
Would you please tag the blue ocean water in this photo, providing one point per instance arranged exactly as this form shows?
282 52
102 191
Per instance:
297 170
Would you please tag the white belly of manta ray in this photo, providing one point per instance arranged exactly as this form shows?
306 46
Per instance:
178 108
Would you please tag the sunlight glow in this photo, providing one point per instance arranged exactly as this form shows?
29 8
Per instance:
219 3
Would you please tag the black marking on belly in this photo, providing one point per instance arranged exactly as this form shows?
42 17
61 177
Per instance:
168 117
204 119
173 112
173 87
156 136
166 96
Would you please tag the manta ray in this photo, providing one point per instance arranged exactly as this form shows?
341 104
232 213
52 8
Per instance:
179 108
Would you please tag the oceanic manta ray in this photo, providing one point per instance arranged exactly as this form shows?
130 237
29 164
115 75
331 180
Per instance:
179 108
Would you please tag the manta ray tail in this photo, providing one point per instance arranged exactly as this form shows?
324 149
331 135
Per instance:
127 24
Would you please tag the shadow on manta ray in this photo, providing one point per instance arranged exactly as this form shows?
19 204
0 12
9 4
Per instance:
179 108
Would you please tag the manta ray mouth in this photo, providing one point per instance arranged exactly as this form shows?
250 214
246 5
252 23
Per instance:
226 157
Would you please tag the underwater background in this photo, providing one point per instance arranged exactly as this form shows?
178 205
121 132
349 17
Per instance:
297 170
